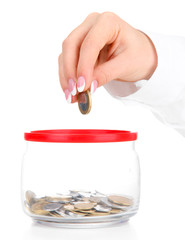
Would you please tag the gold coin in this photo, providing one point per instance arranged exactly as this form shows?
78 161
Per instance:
84 206
85 211
99 214
85 199
30 197
37 208
79 213
59 199
54 214
84 102
120 200
27 207
65 197
114 211
69 207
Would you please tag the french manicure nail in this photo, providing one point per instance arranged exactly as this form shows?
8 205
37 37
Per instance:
72 86
81 84
68 95
94 85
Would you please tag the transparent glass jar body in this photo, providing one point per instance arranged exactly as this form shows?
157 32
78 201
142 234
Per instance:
107 171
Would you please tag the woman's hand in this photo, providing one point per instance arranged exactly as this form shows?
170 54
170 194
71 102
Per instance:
101 49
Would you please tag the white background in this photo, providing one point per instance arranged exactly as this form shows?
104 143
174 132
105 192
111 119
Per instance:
31 34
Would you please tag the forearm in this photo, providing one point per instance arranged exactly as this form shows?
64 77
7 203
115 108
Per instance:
164 92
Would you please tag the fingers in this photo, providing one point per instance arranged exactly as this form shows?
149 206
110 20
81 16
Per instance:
70 53
115 68
80 65
63 83
103 32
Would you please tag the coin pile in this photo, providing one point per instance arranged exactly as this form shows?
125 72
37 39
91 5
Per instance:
77 204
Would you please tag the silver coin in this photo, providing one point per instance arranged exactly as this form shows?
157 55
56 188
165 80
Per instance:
71 214
74 194
100 208
56 200
95 199
85 194
106 203
74 191
30 197
67 214
61 212
52 206
99 194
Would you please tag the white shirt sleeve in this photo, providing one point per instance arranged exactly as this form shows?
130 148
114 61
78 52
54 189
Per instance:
164 92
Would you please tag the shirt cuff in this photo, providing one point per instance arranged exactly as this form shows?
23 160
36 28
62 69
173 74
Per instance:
167 82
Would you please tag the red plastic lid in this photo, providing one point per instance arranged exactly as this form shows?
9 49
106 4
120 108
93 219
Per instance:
80 136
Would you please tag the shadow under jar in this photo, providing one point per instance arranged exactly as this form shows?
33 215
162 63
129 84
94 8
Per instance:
80 178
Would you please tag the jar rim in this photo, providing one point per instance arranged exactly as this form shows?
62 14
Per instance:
80 135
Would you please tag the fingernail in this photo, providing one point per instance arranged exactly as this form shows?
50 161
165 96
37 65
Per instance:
72 86
68 95
94 85
81 84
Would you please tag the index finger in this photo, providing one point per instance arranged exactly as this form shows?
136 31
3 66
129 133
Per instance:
104 32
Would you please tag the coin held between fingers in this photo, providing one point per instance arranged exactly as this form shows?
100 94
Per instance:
84 102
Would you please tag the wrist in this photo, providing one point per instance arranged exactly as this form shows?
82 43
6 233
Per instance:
152 58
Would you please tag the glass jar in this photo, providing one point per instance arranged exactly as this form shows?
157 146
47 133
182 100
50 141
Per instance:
80 178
